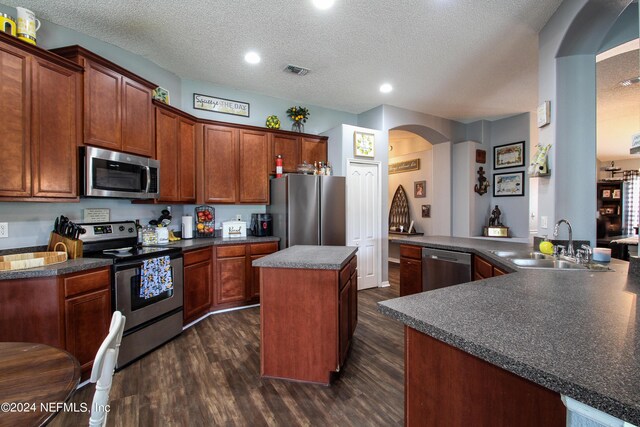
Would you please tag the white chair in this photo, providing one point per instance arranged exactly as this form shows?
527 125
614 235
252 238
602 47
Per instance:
103 368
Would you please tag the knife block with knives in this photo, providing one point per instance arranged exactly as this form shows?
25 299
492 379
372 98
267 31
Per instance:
65 233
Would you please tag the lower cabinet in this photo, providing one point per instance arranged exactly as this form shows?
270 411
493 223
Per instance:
483 269
198 272
221 277
71 312
410 270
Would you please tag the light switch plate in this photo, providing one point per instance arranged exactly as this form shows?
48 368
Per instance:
543 222
4 230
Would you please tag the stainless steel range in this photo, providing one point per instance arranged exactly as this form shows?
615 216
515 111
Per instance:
146 286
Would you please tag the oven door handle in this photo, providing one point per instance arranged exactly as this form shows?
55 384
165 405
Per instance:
148 169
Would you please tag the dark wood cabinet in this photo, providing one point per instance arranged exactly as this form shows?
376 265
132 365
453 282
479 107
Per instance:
230 275
176 151
313 149
220 164
288 146
353 301
253 170
483 269
256 251
118 114
305 320
71 312
410 270
41 123
198 284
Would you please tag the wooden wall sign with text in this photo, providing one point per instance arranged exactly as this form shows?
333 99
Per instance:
406 166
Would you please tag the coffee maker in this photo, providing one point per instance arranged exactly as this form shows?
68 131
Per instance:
261 224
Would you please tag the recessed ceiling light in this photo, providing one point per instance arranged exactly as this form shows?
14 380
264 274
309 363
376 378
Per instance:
252 58
386 88
323 4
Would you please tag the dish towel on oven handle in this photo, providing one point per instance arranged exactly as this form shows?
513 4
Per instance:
155 277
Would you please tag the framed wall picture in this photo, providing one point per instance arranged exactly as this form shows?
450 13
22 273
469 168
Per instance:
508 155
363 144
420 189
508 184
616 194
481 156
544 114
426 211
606 194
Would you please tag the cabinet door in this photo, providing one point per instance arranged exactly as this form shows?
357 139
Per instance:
313 150
167 154
482 269
220 158
102 107
197 290
289 148
87 320
410 276
230 283
137 118
344 329
187 164
15 110
253 171
253 288
55 127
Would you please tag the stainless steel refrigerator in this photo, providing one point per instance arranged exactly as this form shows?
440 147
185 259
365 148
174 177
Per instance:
308 210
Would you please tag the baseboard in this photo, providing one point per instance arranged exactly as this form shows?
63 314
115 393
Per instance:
384 284
226 310
394 260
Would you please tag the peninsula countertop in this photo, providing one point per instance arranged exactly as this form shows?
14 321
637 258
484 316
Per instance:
309 257
574 332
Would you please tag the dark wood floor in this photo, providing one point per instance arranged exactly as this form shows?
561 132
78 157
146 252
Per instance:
210 375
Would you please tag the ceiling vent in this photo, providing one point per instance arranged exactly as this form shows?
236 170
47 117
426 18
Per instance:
301 71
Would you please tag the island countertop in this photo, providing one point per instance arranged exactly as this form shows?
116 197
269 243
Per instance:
308 257
574 332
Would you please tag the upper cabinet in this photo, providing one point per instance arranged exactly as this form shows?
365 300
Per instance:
118 114
176 151
41 122
295 150
313 149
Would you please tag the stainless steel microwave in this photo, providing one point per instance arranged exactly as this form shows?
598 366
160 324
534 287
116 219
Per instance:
107 173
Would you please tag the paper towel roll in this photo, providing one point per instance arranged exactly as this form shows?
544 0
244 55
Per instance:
187 227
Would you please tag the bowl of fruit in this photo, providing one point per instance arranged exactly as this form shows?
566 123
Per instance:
205 221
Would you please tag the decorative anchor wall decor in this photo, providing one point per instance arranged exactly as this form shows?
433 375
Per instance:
483 184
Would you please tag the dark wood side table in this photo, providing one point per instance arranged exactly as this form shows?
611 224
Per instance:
31 375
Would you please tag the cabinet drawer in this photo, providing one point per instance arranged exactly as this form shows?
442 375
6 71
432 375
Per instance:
264 248
414 252
498 272
92 281
194 257
230 251
354 264
483 268
345 275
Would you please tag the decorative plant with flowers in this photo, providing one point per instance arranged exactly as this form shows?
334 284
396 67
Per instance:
298 114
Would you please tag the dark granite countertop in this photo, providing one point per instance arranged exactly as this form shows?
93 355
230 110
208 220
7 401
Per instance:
70 266
190 244
574 332
309 257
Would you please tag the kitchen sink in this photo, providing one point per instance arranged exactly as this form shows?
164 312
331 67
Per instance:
521 255
547 263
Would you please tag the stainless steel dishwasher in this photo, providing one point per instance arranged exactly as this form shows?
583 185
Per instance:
442 268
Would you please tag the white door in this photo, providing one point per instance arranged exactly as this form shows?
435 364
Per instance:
363 219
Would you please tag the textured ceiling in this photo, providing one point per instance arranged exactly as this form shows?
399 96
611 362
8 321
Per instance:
459 59
618 115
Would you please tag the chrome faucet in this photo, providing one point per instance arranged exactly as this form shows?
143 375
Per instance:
570 252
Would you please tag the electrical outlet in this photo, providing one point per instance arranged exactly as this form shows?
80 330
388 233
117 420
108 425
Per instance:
238 217
4 230
543 222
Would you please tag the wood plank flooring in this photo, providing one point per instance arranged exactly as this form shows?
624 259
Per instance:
210 375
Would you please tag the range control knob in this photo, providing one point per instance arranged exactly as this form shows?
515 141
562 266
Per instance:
121 228
130 230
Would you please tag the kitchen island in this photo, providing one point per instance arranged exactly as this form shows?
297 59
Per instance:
527 337
308 311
